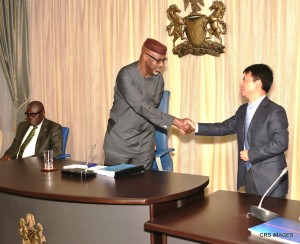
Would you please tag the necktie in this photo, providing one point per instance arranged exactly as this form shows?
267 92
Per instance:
247 123
26 142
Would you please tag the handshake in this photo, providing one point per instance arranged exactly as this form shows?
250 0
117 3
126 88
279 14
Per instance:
185 126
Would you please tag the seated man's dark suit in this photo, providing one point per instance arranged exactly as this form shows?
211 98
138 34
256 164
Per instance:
50 137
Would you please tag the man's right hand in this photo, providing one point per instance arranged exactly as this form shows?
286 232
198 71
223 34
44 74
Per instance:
184 125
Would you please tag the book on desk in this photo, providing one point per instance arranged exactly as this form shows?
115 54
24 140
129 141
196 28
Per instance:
278 229
120 170
115 171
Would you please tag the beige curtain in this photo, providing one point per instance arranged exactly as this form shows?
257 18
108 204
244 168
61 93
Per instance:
8 117
77 48
14 69
14 51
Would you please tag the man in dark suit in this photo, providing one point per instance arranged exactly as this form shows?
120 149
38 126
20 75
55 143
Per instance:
262 145
130 134
47 136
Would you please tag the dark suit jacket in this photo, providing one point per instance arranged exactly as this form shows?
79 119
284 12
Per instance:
268 140
50 137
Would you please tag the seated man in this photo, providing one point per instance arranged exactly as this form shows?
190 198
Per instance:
35 135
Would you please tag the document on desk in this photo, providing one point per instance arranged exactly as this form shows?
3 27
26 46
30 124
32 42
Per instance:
278 229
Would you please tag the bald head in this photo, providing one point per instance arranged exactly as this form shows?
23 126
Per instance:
37 104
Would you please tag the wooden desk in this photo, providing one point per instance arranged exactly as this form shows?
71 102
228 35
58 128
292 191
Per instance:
219 218
98 210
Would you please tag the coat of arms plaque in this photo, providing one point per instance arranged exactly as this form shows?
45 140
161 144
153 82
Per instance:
201 34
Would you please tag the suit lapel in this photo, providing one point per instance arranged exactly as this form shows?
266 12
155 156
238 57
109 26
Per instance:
242 119
259 112
40 139
23 130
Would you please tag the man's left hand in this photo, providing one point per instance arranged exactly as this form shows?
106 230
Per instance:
244 155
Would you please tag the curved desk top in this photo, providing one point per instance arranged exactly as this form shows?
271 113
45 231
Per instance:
24 177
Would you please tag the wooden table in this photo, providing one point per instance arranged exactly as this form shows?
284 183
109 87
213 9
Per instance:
220 218
97 210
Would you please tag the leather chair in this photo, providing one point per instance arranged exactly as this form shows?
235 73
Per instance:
65 133
163 160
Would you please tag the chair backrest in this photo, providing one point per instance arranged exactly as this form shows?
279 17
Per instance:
65 134
162 154
161 135
164 103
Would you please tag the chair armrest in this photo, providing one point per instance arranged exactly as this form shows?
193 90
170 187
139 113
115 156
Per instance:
159 155
63 156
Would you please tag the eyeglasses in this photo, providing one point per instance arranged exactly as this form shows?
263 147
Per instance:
33 114
158 61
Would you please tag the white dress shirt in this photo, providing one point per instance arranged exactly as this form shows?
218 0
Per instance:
30 149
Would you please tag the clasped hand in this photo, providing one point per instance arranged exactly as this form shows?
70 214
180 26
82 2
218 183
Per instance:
185 126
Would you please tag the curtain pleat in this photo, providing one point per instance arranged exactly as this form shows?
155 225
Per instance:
14 51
